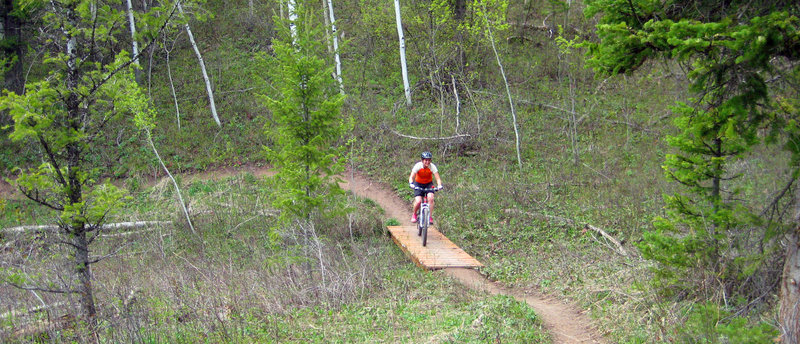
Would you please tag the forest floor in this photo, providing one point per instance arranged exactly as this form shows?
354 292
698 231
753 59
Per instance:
566 323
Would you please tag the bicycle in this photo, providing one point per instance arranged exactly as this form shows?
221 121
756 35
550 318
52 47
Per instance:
424 213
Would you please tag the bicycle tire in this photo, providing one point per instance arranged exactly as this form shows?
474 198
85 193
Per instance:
419 221
425 223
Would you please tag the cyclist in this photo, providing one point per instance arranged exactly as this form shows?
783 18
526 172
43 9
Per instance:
422 176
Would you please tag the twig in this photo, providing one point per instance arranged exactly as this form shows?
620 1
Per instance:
598 172
429 138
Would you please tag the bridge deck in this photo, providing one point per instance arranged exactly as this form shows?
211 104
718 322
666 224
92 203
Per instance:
440 252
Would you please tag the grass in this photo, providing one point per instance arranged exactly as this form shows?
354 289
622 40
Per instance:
267 278
242 280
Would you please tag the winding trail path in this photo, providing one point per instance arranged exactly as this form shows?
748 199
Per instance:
566 323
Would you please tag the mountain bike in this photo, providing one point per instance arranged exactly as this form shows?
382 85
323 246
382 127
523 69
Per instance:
424 213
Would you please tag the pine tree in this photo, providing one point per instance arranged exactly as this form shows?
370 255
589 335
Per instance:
308 125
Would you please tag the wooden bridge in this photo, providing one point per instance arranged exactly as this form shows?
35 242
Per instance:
440 252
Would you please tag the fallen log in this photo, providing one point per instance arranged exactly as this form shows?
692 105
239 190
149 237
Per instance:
608 237
118 225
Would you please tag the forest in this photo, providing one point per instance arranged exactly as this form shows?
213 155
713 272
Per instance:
185 171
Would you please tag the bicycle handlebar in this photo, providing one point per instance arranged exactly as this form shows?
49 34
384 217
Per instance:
425 189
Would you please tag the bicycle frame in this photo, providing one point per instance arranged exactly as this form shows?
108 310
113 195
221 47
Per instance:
424 213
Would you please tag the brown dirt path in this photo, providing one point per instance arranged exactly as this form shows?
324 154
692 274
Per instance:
566 323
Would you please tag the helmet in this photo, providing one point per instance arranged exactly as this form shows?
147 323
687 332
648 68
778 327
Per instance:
427 155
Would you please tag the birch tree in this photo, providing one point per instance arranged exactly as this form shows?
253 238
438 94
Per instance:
402 42
483 12
134 43
202 64
89 85
336 47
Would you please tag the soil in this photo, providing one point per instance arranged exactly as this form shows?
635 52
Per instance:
566 323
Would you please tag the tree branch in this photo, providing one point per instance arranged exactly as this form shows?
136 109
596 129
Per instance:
428 138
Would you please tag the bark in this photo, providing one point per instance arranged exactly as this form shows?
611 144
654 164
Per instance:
789 315
203 69
291 6
134 44
83 269
402 41
336 48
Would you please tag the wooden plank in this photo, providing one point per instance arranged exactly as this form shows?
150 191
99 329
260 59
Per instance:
438 254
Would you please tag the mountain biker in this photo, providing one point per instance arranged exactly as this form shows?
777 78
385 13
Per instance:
422 177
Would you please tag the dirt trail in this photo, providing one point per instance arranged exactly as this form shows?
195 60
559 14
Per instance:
566 323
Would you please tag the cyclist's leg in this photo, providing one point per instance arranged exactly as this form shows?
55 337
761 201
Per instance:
417 202
430 205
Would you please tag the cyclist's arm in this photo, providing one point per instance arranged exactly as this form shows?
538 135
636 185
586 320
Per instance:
412 176
438 179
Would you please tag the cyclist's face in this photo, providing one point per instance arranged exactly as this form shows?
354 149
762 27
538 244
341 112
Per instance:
426 162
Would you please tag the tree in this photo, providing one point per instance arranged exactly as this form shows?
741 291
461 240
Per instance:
90 85
336 47
202 64
308 125
401 39
742 60
13 18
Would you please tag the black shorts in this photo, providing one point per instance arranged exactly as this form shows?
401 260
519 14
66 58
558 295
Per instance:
420 192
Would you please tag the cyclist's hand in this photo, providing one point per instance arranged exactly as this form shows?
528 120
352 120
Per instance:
411 185
440 187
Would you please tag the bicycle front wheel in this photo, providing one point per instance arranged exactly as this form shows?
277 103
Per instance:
425 220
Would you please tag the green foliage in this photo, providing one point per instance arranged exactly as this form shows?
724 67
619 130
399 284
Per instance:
706 239
710 323
308 124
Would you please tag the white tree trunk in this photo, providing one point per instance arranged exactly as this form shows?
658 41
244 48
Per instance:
508 90
133 31
203 68
336 48
177 188
172 86
402 51
135 45
291 6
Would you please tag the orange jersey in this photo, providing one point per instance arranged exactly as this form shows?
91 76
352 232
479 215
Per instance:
424 175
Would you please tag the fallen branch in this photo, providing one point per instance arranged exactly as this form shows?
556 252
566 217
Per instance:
429 138
608 237
586 226
119 225
19 312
